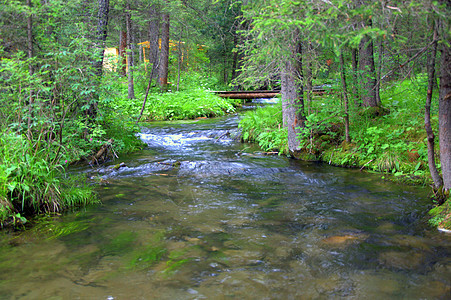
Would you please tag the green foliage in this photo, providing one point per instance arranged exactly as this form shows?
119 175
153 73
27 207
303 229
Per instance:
393 143
264 126
441 216
193 100
31 184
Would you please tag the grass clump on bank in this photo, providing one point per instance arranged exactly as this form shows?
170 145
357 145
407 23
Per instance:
30 184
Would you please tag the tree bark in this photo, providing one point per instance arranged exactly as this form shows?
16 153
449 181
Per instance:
368 72
436 178
101 34
164 54
123 52
445 116
292 94
30 66
131 87
345 98
355 71
379 71
154 37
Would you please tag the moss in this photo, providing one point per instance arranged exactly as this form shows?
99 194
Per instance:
441 215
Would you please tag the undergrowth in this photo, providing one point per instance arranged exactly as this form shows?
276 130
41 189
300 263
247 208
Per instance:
30 184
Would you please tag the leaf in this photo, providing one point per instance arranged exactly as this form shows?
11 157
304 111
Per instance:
417 166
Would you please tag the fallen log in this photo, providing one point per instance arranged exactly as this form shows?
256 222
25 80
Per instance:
101 155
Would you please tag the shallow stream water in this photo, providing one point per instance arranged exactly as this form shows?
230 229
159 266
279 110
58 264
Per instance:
198 215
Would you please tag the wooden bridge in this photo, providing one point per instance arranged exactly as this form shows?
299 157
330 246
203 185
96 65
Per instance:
258 94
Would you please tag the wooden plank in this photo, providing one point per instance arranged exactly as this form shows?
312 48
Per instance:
243 95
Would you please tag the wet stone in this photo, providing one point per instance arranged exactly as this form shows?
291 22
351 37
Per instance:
401 260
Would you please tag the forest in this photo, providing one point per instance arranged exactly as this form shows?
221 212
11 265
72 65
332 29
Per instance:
79 77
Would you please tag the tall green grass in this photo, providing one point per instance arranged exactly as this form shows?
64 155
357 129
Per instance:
30 184
264 126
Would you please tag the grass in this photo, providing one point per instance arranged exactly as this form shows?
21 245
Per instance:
30 184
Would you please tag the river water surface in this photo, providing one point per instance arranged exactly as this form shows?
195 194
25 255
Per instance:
197 215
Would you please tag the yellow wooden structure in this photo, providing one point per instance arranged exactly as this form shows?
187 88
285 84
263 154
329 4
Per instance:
146 44
110 59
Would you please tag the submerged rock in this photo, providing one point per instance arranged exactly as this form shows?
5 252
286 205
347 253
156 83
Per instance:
401 260
342 240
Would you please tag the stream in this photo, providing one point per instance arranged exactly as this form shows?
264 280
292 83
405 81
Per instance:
198 215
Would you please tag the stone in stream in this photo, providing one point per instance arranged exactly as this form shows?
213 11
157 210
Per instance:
402 260
343 240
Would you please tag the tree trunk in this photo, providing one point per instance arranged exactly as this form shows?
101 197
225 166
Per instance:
179 60
309 84
164 55
379 71
131 87
101 34
345 97
30 67
445 116
355 71
292 94
368 73
123 52
437 179
154 37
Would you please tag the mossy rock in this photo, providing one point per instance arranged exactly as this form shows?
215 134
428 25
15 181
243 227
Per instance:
305 156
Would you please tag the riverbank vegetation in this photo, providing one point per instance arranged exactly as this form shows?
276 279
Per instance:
386 103
64 102
76 80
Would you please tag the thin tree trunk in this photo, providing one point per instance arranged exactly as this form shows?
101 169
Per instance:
437 179
164 55
235 56
30 65
123 52
149 84
292 94
179 60
379 71
445 117
309 85
345 98
154 36
355 71
131 87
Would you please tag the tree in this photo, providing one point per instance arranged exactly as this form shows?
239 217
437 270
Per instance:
292 91
131 89
436 178
445 115
164 54
154 37
366 61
